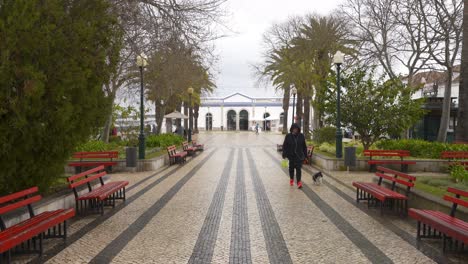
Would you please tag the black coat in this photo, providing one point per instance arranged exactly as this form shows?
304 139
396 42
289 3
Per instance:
295 147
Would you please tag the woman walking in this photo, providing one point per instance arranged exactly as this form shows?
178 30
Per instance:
295 150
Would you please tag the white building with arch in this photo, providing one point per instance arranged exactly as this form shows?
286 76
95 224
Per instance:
238 112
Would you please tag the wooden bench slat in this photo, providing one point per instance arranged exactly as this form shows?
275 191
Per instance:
457 191
17 195
22 203
456 200
86 180
394 172
82 174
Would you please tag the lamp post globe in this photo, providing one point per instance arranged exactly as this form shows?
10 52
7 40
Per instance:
190 92
294 92
141 61
338 60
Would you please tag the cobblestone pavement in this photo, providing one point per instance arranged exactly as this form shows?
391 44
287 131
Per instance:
232 203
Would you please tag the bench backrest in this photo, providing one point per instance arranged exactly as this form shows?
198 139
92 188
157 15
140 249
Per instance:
310 151
386 153
185 145
457 155
456 200
96 155
17 200
86 177
171 150
395 177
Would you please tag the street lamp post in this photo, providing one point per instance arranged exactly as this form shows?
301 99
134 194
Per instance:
338 60
294 92
141 63
189 136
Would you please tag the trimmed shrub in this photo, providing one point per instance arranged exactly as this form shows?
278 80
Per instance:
324 134
420 148
97 145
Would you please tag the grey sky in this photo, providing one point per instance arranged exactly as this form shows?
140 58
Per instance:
250 19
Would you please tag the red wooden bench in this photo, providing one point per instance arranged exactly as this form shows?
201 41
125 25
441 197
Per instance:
27 235
375 193
98 197
388 153
435 224
174 156
456 157
94 159
310 152
190 150
199 147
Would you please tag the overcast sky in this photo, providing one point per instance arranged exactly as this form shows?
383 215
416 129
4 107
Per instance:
249 19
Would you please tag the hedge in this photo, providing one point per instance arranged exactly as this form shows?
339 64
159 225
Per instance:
421 148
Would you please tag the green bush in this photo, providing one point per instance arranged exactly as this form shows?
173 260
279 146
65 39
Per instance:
420 148
327 147
459 174
97 145
324 134
163 140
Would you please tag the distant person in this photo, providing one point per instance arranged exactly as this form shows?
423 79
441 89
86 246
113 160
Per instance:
257 127
295 150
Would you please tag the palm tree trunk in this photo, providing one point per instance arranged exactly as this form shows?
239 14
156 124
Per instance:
196 109
306 116
286 99
159 114
186 112
462 125
299 112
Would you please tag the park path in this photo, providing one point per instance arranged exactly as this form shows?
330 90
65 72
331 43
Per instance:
233 204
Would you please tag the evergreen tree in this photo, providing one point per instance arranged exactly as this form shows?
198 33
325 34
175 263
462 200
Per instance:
54 60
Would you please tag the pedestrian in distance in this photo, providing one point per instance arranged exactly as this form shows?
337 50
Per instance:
295 150
256 128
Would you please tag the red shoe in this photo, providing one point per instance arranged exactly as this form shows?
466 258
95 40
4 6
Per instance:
299 185
291 182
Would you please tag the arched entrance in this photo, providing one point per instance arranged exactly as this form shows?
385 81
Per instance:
266 123
209 121
231 120
244 120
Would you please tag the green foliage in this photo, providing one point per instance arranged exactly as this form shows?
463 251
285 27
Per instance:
458 173
421 148
324 134
55 57
97 145
163 140
327 147
374 108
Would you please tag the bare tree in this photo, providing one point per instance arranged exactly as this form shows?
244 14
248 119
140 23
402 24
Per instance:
443 31
148 25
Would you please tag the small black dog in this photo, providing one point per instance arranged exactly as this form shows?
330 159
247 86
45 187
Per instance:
317 177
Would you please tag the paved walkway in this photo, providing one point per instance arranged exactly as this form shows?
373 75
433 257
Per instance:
233 204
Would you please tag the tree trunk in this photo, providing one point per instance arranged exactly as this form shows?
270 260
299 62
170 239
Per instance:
286 100
445 118
186 112
299 112
315 117
159 114
107 125
462 125
196 109
106 130
307 117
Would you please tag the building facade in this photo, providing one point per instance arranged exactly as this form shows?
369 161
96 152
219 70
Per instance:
239 112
